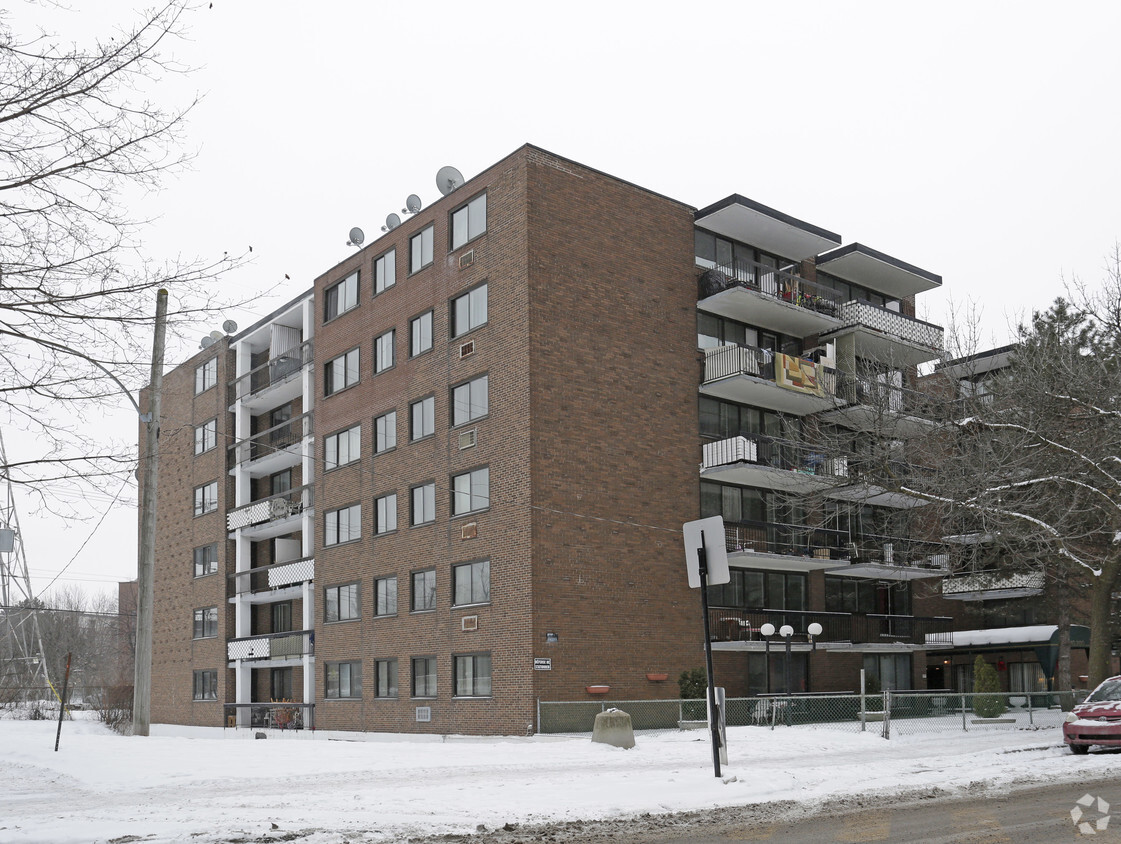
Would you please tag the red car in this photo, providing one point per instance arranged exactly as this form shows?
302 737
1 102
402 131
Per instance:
1097 720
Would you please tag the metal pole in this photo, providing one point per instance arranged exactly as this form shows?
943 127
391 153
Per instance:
142 678
62 704
786 679
714 719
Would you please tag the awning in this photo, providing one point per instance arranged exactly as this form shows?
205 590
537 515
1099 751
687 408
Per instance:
1041 638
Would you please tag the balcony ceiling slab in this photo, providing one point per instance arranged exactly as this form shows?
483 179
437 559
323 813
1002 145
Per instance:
268 596
757 308
780 562
887 571
766 477
761 392
739 218
875 495
881 272
275 527
862 417
884 348
274 395
276 461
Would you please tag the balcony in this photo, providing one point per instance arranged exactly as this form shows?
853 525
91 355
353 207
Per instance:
762 378
784 547
274 582
770 463
863 265
273 516
272 450
993 585
274 382
280 715
754 293
887 336
893 558
839 630
876 405
278 648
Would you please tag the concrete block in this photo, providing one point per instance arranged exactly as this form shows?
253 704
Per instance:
614 727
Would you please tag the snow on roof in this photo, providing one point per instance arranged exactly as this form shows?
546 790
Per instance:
1032 634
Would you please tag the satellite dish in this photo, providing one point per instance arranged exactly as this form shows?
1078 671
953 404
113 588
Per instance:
412 204
391 222
206 342
448 179
216 336
229 326
356 237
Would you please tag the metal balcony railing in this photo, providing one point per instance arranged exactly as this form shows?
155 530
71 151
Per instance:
774 453
275 371
880 396
732 624
727 361
786 539
292 645
271 509
277 438
781 284
892 323
993 580
281 715
273 576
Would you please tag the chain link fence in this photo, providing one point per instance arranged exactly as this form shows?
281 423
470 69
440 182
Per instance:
886 714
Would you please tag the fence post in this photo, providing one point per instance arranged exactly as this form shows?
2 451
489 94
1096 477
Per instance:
1031 721
887 714
538 714
863 720
680 714
964 726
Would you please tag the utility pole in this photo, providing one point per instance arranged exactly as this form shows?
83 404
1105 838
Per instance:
142 679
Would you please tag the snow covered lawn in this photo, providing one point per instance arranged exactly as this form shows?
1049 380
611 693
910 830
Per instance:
206 785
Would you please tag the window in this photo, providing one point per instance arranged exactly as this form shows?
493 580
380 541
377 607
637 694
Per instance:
282 617
420 334
385 596
383 351
280 683
342 448
206 560
843 594
469 311
891 671
206 375
420 250
341 602
206 498
205 685
772 590
206 436
385 678
471 491
424 504
340 298
343 525
341 372
472 675
385 271
280 482
424 590
206 623
423 414
344 680
470 221
385 432
471 583
386 513
424 676
469 401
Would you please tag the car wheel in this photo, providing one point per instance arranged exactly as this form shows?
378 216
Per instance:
1080 749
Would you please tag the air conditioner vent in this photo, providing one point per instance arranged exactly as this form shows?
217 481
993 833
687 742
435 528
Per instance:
469 622
423 714
468 439
469 530
467 349
467 259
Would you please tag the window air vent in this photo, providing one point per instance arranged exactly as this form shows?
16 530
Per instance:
469 530
423 714
467 349
467 259
469 622
468 439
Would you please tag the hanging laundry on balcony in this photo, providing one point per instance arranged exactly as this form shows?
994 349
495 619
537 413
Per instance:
799 375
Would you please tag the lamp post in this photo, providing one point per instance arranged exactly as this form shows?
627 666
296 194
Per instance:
767 630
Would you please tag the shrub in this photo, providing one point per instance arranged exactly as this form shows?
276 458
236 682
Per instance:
987 700
693 684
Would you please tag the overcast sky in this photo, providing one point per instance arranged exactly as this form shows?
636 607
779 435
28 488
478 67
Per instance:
975 140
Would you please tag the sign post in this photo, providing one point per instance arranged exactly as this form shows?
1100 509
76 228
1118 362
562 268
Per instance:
706 560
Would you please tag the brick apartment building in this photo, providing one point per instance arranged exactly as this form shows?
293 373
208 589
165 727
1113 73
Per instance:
448 481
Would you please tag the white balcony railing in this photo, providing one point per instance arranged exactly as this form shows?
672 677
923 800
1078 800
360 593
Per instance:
891 323
271 509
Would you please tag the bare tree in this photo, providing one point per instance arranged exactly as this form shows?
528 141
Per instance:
81 139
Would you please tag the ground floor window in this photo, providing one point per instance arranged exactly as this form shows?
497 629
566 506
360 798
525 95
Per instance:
766 673
1026 677
205 685
472 675
890 671
344 680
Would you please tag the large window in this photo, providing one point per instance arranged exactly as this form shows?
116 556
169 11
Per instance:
385 513
424 504
469 311
206 560
424 591
385 596
206 375
424 676
206 436
344 680
340 298
341 372
471 583
385 678
891 671
471 491
385 271
342 525
383 350
757 590
340 603
206 498
385 432
470 401
420 334
280 683
205 685
847 594
472 675
342 448
423 418
205 623
420 250
724 419
470 221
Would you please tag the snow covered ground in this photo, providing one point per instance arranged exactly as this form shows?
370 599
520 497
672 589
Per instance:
207 785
